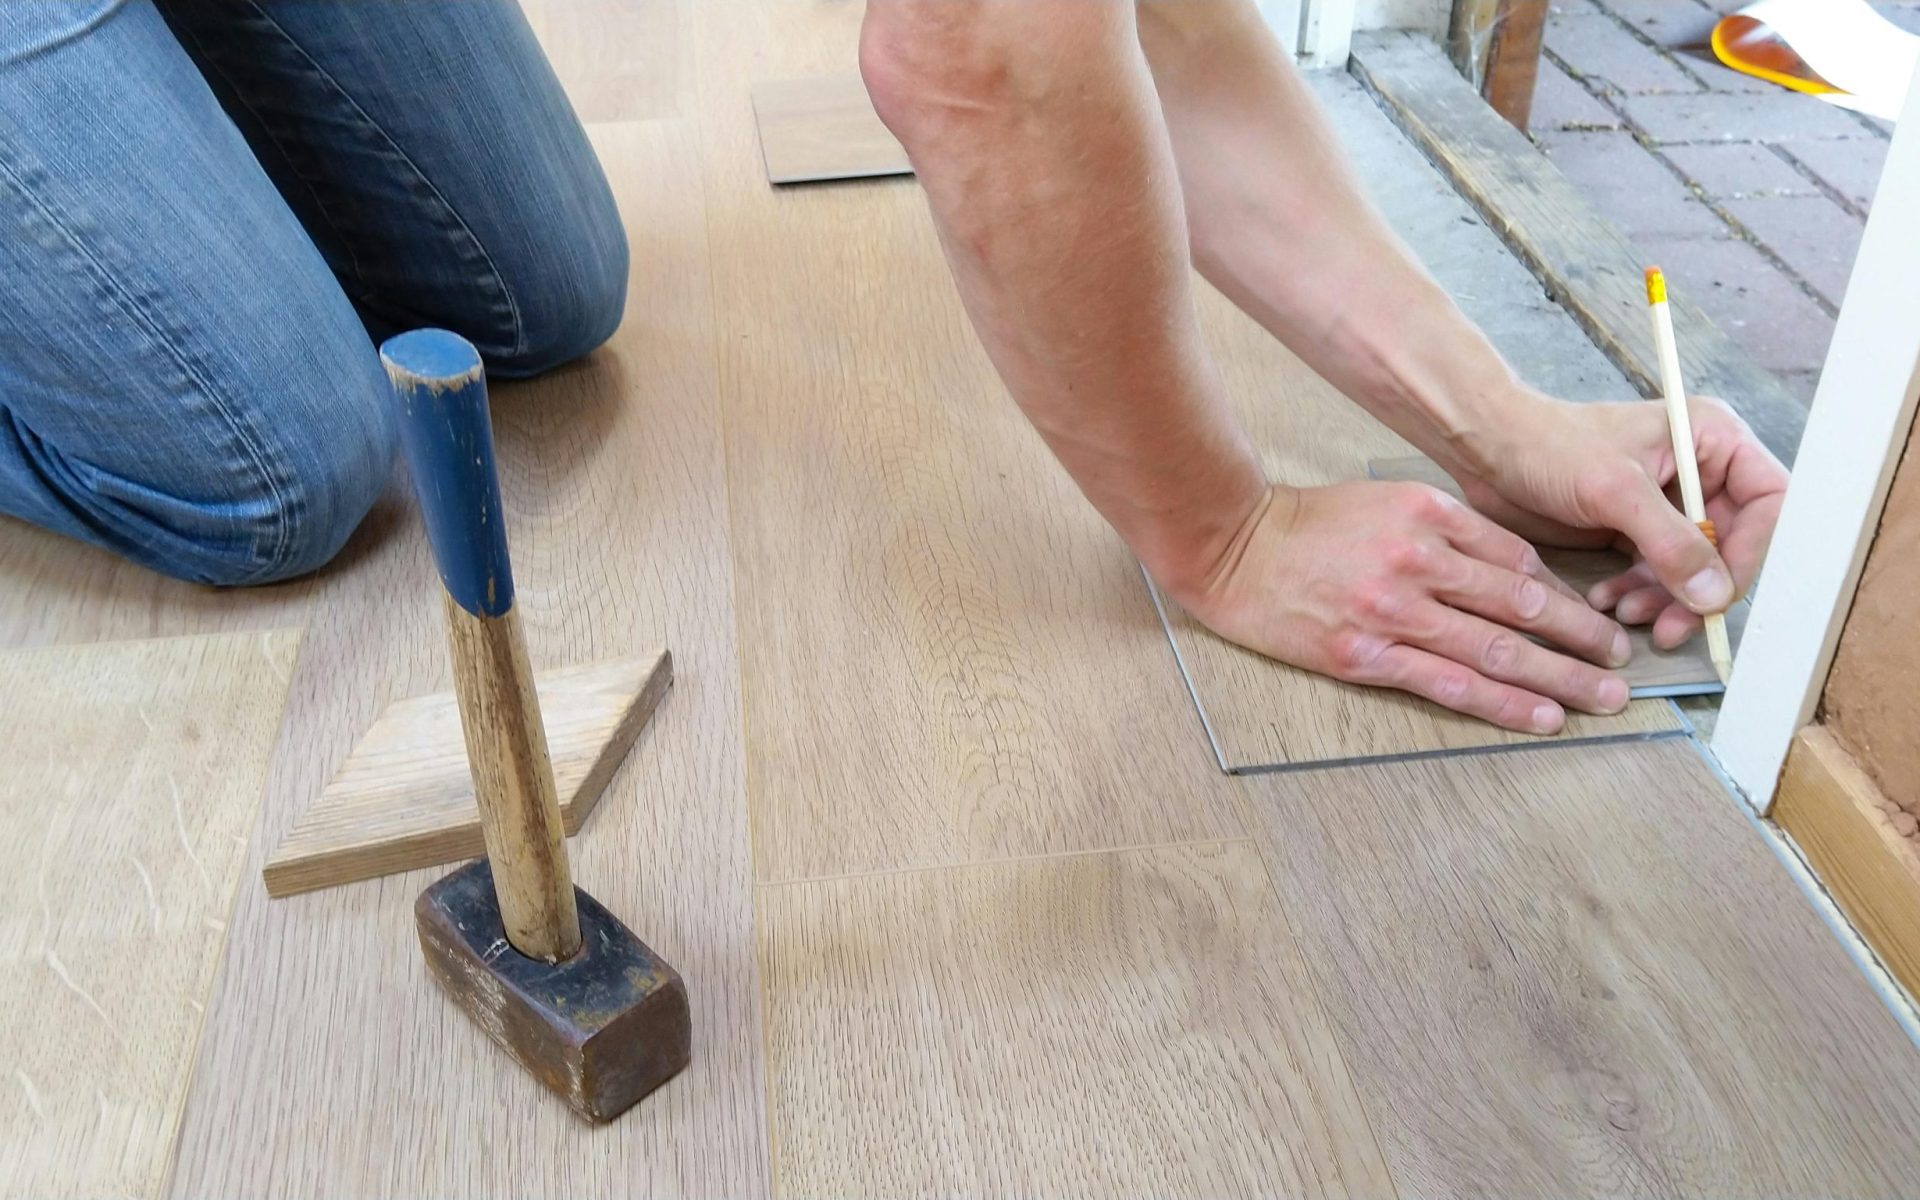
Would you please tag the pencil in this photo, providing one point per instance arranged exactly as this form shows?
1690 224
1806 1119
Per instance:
1685 464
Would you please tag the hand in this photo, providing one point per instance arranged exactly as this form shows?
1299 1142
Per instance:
1400 585
1594 474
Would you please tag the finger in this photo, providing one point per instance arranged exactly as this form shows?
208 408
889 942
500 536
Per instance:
1520 602
1464 690
1503 655
1638 608
1607 594
1675 625
1473 534
1674 548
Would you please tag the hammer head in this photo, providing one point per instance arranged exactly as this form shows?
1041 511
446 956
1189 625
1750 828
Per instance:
602 1028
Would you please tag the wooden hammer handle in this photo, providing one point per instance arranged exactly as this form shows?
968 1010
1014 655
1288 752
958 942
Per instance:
441 390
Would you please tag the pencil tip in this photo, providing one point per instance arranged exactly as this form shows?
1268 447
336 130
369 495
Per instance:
1724 670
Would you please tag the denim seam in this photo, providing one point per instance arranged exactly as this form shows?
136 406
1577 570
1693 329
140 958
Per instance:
513 307
240 96
129 304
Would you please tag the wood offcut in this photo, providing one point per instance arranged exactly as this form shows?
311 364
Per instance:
815 130
404 797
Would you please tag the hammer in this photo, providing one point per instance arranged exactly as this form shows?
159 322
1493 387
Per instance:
547 972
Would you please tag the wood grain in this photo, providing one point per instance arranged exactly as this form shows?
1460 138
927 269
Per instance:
513 781
1587 265
619 60
1262 713
947 656
1578 971
132 779
1133 1023
1686 670
812 130
404 798
54 590
1861 843
334 1067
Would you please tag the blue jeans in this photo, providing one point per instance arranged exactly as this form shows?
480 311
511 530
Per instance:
208 214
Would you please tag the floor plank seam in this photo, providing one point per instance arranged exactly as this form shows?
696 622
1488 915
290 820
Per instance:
1186 676
1009 860
1362 760
1898 1004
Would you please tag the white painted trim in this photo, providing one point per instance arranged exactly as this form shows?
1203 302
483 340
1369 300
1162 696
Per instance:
1326 33
1855 434
1283 17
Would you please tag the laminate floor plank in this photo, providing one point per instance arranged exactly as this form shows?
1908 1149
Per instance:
1262 713
1111 1024
55 591
335 1066
132 779
619 60
947 656
1579 971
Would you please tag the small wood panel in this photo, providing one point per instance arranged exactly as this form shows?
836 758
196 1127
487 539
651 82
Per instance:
1133 1023
946 653
333 1065
132 780
54 590
1579 971
1587 265
813 130
1862 844
404 798
1262 713
1686 670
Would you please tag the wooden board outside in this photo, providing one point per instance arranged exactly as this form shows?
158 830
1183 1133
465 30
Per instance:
1586 264
1579 971
404 798
333 1066
1115 1024
946 653
1686 670
1261 713
132 780
813 130
1847 829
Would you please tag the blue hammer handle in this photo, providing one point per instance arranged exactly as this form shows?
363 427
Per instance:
440 387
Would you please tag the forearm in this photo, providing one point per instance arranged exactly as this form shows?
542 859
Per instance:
1045 160
1282 227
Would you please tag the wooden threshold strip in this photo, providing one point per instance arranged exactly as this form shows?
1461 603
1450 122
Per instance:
1839 819
1588 266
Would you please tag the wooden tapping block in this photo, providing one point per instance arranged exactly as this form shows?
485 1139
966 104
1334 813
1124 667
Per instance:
1686 670
404 797
815 130
544 971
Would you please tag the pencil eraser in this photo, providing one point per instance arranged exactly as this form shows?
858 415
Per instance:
1656 286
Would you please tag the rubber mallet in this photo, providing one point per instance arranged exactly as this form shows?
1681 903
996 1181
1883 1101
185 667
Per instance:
536 962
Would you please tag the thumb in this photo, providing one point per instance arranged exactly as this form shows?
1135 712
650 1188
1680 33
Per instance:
1678 554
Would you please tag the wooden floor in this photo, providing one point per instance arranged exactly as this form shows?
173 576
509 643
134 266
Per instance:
929 821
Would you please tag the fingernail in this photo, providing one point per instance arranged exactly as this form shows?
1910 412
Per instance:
1612 694
1547 718
1710 589
1622 649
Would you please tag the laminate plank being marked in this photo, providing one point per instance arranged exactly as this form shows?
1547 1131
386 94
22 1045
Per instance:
946 653
1686 670
332 1065
1580 971
815 130
132 780
1109 1024
1263 713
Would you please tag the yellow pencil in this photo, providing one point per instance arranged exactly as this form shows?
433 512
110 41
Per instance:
1685 464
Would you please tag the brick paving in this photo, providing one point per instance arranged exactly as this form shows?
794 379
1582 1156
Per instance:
1750 197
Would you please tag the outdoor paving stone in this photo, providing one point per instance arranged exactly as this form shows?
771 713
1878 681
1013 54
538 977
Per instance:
1811 234
1851 168
1630 186
1734 169
1750 299
1771 116
1598 49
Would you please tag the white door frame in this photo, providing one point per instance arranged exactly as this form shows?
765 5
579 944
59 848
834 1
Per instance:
1856 432
1326 33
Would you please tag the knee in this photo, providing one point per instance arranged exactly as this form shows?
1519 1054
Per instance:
311 482
571 293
